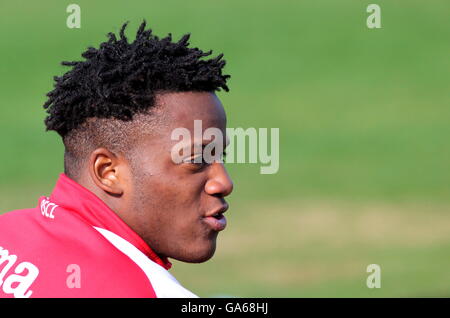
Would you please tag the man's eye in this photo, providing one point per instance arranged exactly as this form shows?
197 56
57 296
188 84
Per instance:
200 160
197 160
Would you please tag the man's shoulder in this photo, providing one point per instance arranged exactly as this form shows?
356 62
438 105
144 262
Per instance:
14 214
17 223
62 256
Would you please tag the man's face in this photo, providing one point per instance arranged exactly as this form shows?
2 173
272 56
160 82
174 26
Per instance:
172 203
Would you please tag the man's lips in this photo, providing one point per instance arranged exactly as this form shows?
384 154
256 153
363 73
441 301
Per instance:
217 224
215 219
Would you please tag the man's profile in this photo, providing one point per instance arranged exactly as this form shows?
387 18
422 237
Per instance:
123 207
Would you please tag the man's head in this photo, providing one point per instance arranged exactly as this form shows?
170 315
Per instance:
116 111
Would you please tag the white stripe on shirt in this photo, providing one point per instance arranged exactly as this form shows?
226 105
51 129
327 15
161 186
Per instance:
163 283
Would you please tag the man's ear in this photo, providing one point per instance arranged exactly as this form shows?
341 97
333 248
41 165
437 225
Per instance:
105 168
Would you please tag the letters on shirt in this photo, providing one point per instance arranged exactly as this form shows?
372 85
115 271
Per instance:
19 281
47 208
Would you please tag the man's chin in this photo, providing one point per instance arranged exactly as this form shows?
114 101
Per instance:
198 255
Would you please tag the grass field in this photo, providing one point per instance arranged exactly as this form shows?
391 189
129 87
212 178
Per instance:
364 118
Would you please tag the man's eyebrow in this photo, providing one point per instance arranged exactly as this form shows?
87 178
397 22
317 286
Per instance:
205 143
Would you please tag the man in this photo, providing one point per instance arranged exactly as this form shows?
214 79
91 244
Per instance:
123 205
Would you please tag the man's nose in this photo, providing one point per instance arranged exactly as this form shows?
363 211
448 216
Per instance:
219 182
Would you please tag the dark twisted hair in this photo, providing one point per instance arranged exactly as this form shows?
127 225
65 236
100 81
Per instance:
120 79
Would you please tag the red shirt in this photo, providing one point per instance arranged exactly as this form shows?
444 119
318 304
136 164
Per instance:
73 245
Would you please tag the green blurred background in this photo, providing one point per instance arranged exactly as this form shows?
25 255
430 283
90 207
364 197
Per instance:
364 118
